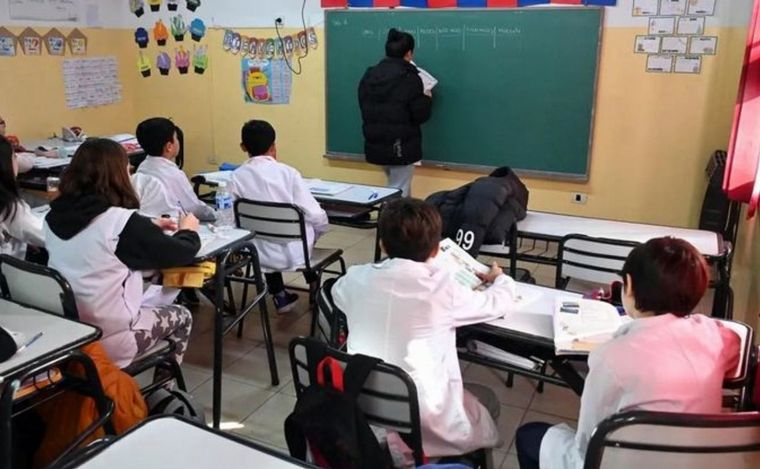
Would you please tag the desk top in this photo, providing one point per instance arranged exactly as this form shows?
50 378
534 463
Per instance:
355 194
534 317
59 335
128 141
169 442
214 242
557 226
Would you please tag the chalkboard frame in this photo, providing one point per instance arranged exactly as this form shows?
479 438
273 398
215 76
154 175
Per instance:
483 169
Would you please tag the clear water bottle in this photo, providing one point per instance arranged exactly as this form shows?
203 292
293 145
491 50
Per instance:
225 214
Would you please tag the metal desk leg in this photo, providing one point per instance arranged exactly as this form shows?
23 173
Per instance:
6 423
569 374
218 338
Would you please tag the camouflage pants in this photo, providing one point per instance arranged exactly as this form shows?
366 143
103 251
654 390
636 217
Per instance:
172 322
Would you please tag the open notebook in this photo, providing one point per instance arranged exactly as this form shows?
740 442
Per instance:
581 325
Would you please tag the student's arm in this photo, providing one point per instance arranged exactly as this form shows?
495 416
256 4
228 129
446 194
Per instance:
601 397
25 227
144 246
189 201
420 105
473 307
314 215
731 349
25 162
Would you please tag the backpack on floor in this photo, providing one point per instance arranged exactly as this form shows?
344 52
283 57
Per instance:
175 402
327 420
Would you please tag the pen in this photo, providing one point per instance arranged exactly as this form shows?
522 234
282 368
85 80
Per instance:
181 208
373 196
31 341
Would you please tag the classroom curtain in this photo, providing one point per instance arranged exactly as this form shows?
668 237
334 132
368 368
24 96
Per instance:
742 178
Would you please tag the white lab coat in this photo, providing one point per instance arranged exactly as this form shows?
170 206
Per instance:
25 161
177 192
25 228
265 179
406 313
663 363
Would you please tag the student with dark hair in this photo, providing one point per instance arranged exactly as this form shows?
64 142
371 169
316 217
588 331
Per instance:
405 311
264 179
163 188
394 105
99 243
18 226
666 359
25 161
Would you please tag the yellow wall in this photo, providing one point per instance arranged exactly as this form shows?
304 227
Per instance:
33 100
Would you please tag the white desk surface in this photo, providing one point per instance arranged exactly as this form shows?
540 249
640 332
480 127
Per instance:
357 194
557 226
212 242
170 443
535 317
58 334
71 147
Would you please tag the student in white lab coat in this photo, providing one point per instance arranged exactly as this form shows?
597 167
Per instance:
25 160
18 226
264 179
100 244
665 360
405 311
163 188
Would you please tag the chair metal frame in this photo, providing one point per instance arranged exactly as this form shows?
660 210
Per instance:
561 282
599 440
410 431
318 270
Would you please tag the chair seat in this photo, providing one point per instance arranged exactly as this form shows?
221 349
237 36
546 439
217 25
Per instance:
322 257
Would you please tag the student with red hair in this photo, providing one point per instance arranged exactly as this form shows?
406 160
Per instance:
666 359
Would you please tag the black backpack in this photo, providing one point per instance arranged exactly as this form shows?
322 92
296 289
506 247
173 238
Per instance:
327 417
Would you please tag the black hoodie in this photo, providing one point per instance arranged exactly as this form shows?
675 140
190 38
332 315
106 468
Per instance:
393 107
142 244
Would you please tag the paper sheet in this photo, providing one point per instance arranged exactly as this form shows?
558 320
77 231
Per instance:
691 25
645 7
702 7
465 267
673 7
688 64
660 63
674 44
217 176
662 25
703 45
91 82
428 81
647 44
319 187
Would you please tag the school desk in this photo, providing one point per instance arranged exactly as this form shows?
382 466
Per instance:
233 251
171 442
58 345
552 227
352 207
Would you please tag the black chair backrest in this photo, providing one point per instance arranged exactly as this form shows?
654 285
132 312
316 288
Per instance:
388 399
596 260
332 325
276 222
36 286
640 439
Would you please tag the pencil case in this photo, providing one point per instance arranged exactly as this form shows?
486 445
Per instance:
189 276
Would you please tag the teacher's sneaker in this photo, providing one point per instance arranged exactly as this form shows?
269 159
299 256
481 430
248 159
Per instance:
285 302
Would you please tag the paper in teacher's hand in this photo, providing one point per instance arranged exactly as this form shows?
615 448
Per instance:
428 80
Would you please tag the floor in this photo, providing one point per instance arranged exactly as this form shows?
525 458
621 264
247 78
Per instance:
254 409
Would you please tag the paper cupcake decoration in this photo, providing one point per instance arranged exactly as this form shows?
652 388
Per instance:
141 38
7 43
137 7
193 5
55 42
155 5
179 28
77 42
172 5
197 29
163 63
31 42
143 65
160 33
182 60
200 59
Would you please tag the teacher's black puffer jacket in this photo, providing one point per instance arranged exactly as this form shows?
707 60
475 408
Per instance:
483 211
393 107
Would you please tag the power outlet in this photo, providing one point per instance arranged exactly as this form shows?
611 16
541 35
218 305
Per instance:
579 198
279 20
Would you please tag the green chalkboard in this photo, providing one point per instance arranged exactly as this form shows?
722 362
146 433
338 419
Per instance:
516 87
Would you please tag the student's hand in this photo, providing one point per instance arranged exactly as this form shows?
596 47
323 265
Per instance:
492 274
166 224
189 222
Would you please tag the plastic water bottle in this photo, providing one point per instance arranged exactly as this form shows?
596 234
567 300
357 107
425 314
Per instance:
225 214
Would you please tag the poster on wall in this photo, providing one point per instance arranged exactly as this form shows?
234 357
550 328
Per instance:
91 82
44 10
77 42
55 42
31 42
266 81
7 43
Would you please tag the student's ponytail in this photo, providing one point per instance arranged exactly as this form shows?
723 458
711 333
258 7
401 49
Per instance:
9 193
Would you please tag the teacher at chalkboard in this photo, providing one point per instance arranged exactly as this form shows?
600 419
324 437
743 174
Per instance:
394 105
